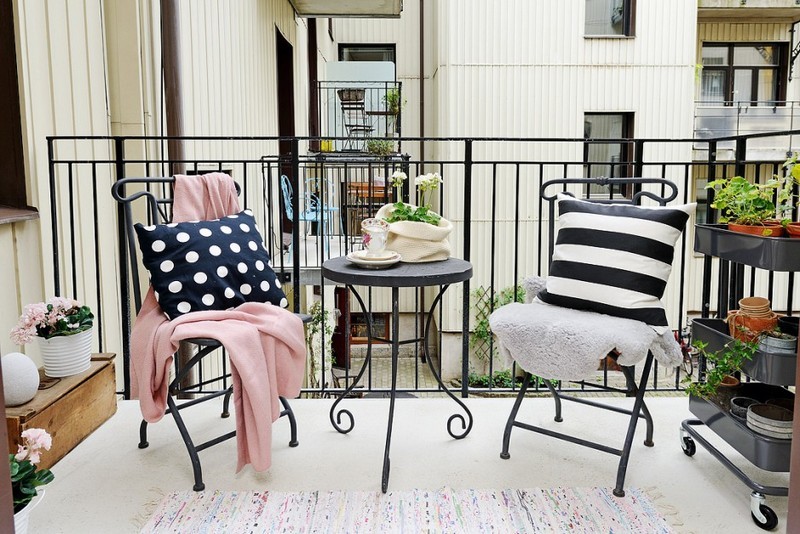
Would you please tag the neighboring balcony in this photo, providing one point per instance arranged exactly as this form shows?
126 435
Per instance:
360 117
720 119
749 10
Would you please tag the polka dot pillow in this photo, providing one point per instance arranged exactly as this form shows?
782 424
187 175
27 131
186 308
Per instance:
208 265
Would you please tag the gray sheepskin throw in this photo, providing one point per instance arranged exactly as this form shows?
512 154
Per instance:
566 344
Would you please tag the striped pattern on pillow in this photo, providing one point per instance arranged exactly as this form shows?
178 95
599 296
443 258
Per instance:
614 259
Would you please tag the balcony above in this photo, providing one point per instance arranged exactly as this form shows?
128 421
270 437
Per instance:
348 8
748 11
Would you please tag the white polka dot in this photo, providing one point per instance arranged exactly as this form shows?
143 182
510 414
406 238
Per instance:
277 283
182 237
208 299
175 287
172 225
229 293
260 265
222 271
200 278
236 248
184 307
284 303
167 266
270 264
205 232
245 289
215 250
150 228
235 216
244 227
155 294
225 229
192 256
242 267
252 245
264 286
248 212
158 245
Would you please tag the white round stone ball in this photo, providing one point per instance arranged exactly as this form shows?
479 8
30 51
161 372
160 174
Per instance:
20 378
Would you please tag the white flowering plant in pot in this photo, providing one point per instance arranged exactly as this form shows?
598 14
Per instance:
417 233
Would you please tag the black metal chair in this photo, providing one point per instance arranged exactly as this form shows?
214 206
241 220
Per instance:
188 381
616 191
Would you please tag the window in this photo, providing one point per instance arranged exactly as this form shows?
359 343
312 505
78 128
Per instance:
366 52
610 17
359 333
604 158
12 170
744 72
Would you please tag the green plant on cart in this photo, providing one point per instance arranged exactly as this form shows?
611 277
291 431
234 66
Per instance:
719 364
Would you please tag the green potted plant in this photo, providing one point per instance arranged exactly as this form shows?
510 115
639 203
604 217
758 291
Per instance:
380 147
759 209
393 107
721 366
392 100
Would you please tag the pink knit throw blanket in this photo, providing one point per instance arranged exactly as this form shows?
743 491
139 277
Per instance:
265 343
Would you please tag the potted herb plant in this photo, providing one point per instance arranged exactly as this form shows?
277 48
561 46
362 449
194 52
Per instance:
753 208
721 366
393 107
417 233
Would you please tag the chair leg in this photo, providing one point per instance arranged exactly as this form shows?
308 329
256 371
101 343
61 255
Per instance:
628 372
190 448
504 454
143 443
288 412
637 407
226 403
557 399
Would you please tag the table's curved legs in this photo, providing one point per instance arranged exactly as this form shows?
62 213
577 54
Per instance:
336 417
466 423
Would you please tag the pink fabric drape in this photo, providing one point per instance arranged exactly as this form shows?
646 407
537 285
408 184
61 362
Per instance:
265 343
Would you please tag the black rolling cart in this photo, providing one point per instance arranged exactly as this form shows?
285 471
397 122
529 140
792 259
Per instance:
770 372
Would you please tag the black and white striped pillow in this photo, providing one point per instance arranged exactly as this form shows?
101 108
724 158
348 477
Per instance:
614 259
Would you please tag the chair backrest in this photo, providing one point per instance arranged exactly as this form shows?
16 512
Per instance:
616 191
157 195
286 190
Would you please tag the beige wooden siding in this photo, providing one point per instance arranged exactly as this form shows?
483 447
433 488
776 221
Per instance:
61 67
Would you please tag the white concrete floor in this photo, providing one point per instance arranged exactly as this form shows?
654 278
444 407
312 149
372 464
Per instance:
109 485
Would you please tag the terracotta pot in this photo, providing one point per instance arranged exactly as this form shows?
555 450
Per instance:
767 229
729 381
793 229
748 328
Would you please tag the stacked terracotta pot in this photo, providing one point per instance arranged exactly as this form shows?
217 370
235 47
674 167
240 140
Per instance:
753 318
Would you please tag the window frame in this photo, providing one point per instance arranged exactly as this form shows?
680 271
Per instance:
13 192
628 22
781 70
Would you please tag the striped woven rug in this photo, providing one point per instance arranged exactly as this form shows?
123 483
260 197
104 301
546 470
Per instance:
590 510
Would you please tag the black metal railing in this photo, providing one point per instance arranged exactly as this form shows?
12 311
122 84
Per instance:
490 192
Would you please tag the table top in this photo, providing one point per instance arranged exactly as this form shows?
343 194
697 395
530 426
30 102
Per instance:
400 274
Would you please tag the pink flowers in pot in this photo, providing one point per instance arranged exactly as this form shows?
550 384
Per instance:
59 316
25 477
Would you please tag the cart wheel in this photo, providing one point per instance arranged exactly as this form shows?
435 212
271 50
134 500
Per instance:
688 446
770 518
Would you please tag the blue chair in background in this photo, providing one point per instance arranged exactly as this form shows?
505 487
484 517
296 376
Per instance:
312 209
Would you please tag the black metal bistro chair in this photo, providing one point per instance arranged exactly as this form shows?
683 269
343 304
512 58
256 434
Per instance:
602 298
188 381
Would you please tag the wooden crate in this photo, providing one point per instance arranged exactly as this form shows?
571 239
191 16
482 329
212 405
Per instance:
70 410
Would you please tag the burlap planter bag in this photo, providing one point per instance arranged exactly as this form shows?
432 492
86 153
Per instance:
417 242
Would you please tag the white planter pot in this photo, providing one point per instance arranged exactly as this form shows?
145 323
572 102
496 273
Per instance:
66 355
417 242
21 518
